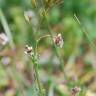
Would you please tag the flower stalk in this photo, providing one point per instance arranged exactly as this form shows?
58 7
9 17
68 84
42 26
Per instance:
35 65
30 52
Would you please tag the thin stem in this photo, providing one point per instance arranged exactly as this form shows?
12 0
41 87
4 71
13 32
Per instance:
38 40
85 31
61 61
37 77
35 65
43 37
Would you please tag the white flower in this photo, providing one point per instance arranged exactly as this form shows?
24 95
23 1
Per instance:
29 15
58 40
29 50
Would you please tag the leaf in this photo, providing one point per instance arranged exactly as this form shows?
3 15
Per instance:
51 90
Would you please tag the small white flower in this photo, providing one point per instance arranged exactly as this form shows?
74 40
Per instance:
58 40
29 50
29 15
31 18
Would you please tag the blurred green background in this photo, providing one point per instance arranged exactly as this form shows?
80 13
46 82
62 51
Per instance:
78 55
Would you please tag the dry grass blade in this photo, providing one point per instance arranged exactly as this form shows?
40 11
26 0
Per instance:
85 31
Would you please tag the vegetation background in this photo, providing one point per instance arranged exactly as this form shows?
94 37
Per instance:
77 56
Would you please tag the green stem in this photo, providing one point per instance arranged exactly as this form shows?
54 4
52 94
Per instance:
61 61
6 28
37 41
37 77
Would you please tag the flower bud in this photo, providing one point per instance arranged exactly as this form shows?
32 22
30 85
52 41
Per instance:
58 40
29 50
29 15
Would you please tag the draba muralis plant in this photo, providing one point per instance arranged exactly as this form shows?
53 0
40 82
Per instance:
34 56
42 7
57 39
